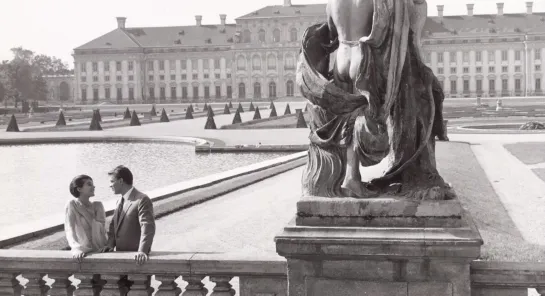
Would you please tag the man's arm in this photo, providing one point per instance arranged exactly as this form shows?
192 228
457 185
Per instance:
147 224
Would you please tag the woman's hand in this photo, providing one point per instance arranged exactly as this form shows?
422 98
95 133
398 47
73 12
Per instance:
78 256
105 250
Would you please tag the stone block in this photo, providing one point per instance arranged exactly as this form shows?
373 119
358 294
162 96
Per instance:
368 270
328 287
499 292
378 212
259 286
430 288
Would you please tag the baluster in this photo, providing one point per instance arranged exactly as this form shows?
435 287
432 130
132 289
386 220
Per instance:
168 286
36 285
9 284
194 287
140 285
62 286
112 285
222 287
541 291
90 285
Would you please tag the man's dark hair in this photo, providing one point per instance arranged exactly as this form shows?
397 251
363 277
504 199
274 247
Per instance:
122 172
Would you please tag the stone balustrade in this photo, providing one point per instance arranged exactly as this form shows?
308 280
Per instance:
38 273
506 278
56 273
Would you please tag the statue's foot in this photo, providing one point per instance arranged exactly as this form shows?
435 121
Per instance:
443 137
357 189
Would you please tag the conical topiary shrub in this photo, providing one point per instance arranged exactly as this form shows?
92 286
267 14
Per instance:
153 112
189 113
210 112
190 108
95 122
61 121
97 111
127 114
164 116
12 126
205 108
134 119
237 118
240 109
288 110
257 115
306 107
226 109
252 107
271 105
301 123
273 112
210 124
230 104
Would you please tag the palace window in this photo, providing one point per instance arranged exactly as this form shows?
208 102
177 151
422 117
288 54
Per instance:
131 66
246 36
118 66
261 35
241 63
256 62
276 35
195 92
293 34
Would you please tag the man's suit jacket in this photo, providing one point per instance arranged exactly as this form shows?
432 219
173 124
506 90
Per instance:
135 228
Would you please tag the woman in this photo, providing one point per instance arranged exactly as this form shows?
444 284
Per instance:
85 220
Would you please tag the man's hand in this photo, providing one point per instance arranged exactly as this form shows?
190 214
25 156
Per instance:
141 258
78 256
106 249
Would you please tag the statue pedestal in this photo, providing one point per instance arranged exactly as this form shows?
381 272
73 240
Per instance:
383 246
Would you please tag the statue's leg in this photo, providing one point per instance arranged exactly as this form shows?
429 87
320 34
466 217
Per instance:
352 184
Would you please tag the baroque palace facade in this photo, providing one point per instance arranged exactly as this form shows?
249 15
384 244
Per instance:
472 55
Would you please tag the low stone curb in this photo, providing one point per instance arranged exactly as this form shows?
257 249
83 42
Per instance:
250 148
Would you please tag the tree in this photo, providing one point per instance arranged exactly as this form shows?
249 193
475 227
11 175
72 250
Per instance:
50 65
39 88
23 75
2 91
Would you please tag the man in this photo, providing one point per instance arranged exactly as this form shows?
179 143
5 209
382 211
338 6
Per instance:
133 226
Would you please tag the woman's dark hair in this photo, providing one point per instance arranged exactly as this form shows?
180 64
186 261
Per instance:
78 182
122 172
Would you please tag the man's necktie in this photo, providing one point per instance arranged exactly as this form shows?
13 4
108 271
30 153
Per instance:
120 209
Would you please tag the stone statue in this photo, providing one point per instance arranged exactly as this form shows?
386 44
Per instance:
380 102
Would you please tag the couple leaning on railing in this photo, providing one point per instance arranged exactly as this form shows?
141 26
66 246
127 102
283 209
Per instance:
132 227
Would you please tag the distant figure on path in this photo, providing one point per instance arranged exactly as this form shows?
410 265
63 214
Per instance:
133 225
85 220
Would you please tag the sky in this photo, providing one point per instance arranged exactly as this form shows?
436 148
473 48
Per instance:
56 27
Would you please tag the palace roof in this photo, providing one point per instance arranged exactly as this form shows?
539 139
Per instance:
149 37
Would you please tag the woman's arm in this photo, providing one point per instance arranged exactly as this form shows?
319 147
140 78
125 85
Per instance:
70 228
